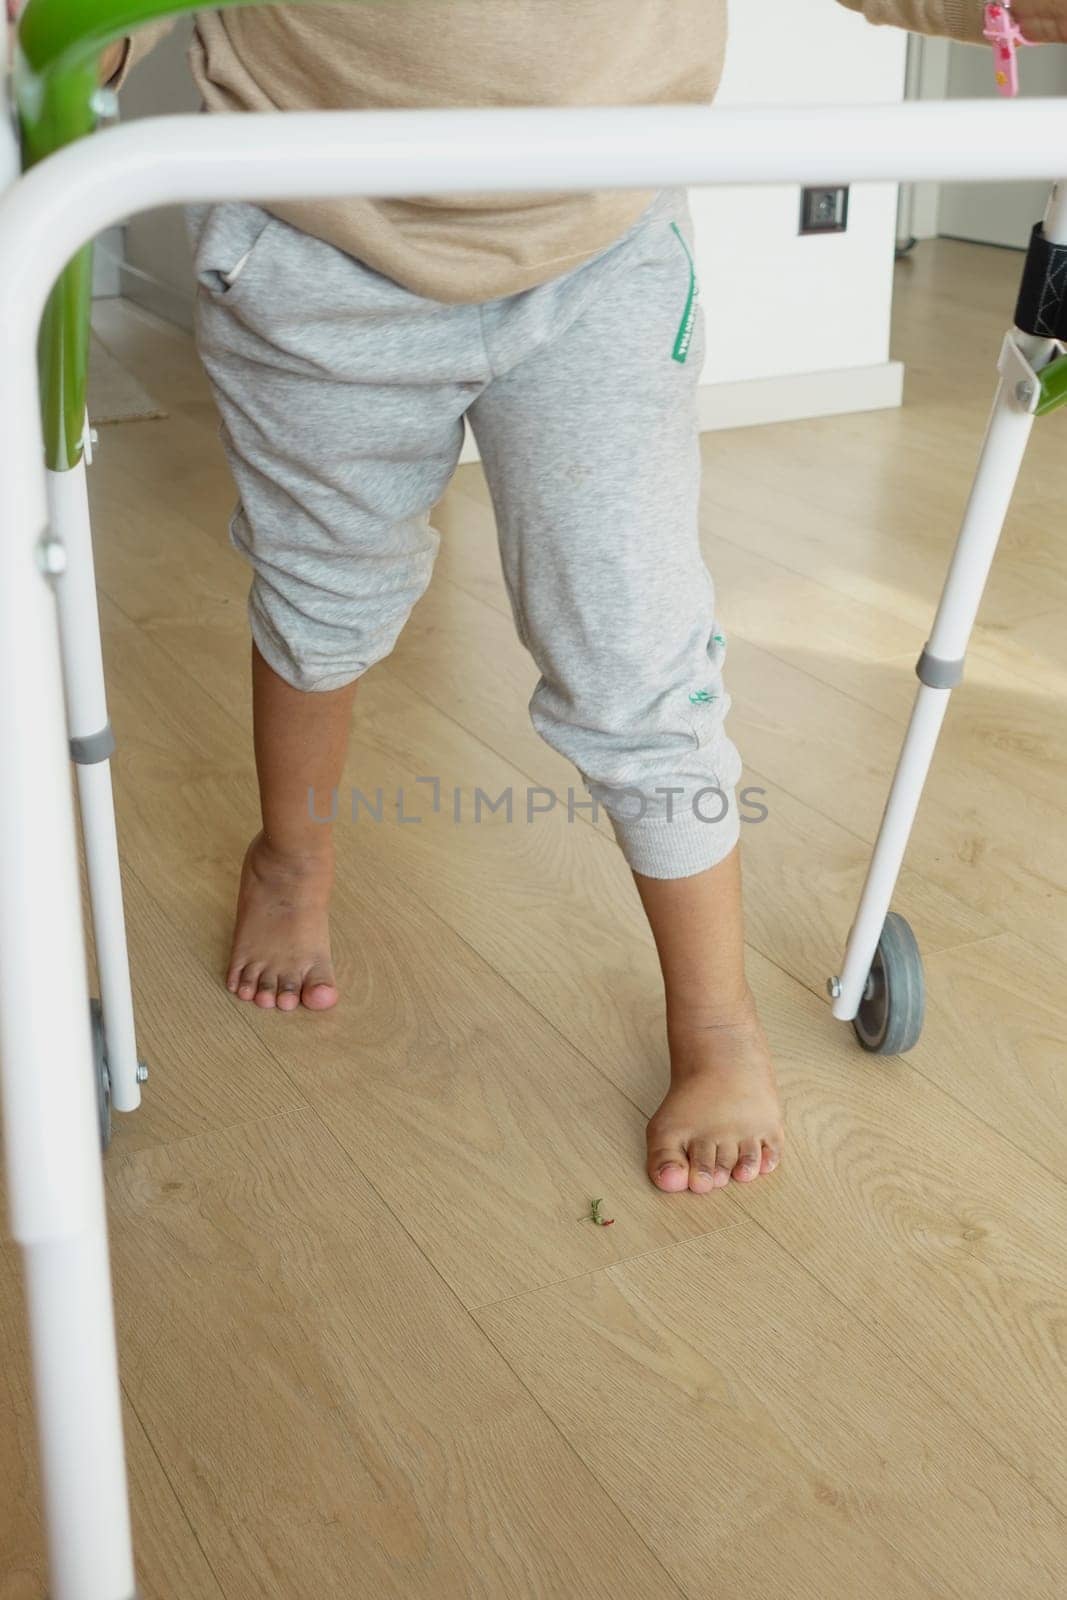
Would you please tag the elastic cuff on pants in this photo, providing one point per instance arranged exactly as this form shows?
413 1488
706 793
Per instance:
679 848
278 658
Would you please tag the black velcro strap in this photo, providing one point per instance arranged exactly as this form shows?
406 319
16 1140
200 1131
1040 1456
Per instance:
1042 307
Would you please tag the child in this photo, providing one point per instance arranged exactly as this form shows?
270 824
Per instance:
347 340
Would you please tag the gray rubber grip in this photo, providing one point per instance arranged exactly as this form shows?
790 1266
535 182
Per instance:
94 747
938 674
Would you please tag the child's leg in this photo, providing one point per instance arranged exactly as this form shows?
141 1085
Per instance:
281 943
590 443
720 1116
342 398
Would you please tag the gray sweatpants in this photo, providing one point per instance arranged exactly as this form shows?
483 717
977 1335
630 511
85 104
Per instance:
342 396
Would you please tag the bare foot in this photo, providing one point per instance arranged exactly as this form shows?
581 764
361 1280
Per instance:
281 943
721 1118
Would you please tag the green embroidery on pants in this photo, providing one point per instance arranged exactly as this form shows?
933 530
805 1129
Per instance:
702 697
689 315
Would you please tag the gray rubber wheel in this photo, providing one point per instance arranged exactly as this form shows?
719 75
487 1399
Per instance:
890 1017
100 1072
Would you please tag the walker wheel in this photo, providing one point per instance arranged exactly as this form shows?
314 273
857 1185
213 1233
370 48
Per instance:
101 1075
890 1017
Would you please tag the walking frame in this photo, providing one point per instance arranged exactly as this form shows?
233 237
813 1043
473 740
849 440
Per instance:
63 1061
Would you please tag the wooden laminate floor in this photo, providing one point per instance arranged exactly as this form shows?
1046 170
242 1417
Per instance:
369 1347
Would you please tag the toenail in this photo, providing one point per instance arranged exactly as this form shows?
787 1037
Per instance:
669 1166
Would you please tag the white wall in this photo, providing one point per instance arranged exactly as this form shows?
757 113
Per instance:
988 213
997 213
159 270
805 318
107 259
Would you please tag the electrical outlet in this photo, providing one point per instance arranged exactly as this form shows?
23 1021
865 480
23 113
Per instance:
824 210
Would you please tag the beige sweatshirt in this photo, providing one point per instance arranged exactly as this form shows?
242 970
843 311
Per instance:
402 54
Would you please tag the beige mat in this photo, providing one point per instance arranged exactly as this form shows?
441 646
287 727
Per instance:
115 395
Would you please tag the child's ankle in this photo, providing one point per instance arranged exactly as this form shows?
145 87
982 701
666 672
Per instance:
707 1011
297 856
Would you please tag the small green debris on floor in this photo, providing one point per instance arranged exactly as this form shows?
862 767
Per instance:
595 1214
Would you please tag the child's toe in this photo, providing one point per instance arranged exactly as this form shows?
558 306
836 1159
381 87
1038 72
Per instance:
267 990
771 1156
669 1169
702 1166
725 1161
288 994
320 991
248 982
748 1161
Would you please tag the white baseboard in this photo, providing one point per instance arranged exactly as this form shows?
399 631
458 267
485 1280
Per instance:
807 394
804 394
171 304
107 259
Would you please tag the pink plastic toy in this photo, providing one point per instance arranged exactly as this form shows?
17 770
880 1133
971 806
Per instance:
1005 35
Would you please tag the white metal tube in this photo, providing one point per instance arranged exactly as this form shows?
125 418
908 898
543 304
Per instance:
913 765
109 930
1002 455
79 1423
168 160
79 612
1001 458
1000 461
1055 220
50 1127
86 696
53 1158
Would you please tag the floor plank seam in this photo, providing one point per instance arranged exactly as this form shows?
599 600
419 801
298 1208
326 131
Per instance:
519 1293
483 1333
901 1355
118 1154
932 1575
1060 1176
117 1151
675 1584
618 1261
525 1001
172 1486
868 845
